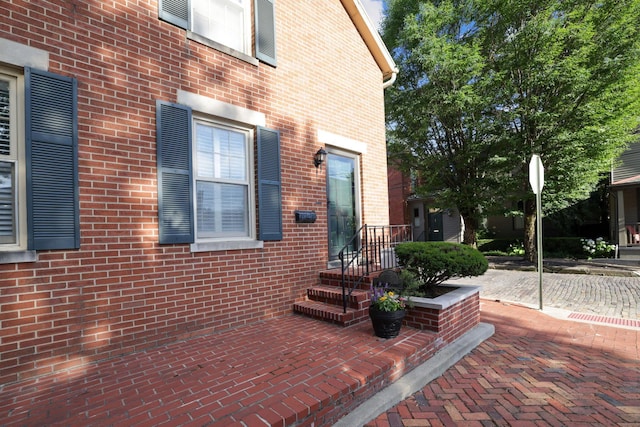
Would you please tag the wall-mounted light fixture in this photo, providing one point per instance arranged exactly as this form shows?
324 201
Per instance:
320 157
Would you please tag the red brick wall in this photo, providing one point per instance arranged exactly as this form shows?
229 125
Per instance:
450 323
399 191
122 291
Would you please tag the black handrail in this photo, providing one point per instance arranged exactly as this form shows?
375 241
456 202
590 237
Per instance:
369 250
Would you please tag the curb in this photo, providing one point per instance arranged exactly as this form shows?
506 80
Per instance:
417 378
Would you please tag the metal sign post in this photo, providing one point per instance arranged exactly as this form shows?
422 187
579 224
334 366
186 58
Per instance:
536 179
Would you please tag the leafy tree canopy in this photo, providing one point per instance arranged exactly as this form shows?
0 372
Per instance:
484 84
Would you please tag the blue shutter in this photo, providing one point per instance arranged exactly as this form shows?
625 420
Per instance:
175 188
265 31
52 161
269 187
175 12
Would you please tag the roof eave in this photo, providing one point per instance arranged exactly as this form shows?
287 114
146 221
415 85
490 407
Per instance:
372 39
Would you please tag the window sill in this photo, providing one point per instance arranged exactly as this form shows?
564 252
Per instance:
18 257
222 48
230 245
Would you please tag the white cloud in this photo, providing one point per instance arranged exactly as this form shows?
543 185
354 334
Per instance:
374 10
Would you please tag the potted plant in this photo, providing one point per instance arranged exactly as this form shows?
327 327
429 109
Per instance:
387 311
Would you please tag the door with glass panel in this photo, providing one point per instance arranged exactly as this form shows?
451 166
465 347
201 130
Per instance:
341 200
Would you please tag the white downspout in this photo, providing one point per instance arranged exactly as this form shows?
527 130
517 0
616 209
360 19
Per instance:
392 79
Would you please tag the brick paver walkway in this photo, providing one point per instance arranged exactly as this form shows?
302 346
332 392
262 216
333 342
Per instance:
535 371
276 373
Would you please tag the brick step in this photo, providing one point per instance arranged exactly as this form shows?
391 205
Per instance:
331 313
359 299
334 278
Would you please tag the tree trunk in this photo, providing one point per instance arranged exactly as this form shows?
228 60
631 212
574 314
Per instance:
530 251
470 229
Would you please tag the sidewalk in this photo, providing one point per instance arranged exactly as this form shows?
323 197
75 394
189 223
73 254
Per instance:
535 370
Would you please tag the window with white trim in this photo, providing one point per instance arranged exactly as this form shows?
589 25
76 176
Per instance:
225 25
223 176
12 201
39 191
224 21
208 195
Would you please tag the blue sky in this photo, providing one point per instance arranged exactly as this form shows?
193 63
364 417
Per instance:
374 10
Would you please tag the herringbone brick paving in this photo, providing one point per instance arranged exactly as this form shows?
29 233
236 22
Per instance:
535 371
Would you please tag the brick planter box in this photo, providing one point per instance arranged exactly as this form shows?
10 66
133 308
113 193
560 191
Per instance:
449 315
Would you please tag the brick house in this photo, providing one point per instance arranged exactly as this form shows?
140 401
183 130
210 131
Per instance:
429 222
153 156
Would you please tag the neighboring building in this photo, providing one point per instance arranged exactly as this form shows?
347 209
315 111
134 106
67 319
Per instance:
153 156
506 226
625 198
429 222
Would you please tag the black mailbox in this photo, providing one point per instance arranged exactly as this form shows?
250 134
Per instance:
305 216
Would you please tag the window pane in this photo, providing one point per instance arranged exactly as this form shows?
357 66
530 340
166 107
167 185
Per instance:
221 21
232 147
205 151
220 154
5 135
221 210
7 203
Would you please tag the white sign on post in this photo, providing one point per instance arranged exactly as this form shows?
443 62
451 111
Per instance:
536 174
536 179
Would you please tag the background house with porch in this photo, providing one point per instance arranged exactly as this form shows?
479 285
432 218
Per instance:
157 173
625 202
429 222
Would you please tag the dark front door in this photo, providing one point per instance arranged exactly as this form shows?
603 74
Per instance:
341 186
435 227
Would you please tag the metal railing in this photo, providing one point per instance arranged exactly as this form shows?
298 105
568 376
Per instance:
369 250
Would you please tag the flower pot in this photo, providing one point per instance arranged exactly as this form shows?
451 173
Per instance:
386 324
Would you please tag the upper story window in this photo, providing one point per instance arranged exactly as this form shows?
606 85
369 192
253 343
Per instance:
223 21
226 25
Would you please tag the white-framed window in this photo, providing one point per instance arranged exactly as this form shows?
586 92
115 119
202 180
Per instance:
224 21
12 186
39 191
226 25
223 175
219 183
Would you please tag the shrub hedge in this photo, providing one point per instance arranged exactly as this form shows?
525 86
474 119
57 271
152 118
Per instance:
571 247
435 262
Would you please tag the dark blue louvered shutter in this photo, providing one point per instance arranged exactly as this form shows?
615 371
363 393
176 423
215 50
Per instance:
52 160
265 31
269 187
175 195
175 12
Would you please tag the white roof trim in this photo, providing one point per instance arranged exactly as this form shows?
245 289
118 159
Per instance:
372 38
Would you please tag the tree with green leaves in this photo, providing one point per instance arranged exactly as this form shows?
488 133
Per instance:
484 84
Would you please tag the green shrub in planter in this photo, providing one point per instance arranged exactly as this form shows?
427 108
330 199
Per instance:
435 262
